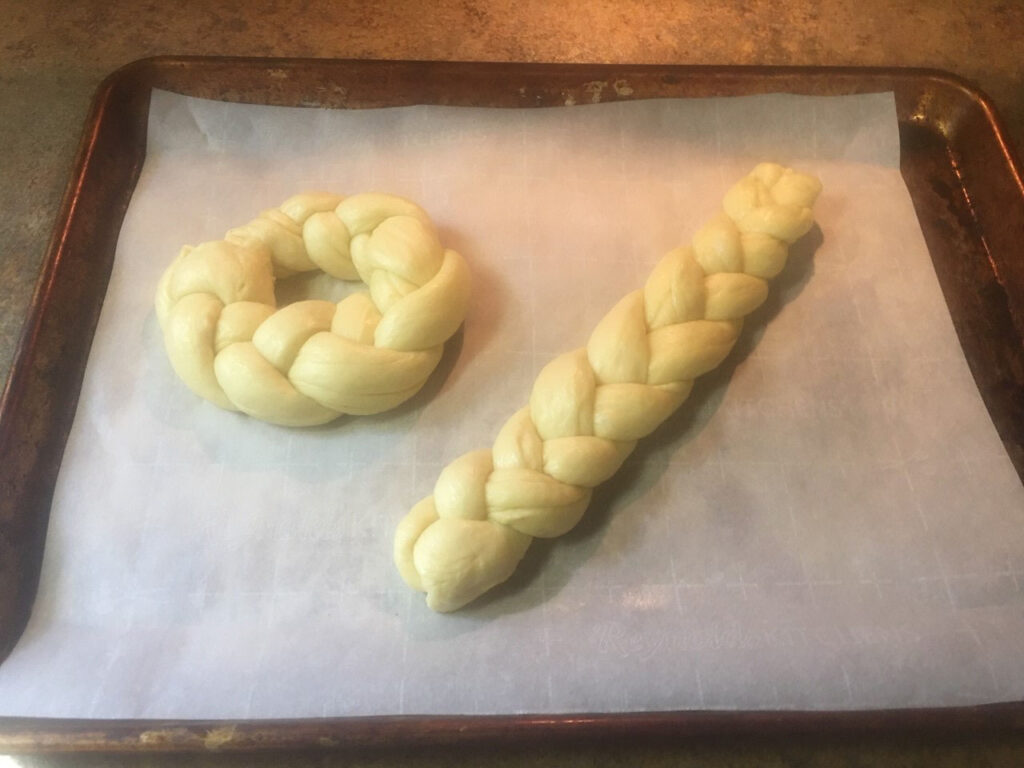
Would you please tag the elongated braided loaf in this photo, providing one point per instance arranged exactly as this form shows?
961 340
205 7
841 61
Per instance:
311 361
590 406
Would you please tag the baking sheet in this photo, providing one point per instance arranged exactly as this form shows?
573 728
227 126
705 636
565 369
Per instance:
834 524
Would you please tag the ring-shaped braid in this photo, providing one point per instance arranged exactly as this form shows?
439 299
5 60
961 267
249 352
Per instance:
311 361
589 407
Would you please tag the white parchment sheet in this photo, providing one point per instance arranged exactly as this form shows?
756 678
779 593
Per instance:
831 522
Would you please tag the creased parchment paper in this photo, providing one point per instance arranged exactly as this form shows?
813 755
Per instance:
831 522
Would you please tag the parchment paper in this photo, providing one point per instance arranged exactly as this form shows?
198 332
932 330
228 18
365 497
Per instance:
831 522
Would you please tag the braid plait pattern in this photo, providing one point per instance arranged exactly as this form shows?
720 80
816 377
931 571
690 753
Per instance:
311 361
589 407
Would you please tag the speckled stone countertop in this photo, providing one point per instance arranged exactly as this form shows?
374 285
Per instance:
53 55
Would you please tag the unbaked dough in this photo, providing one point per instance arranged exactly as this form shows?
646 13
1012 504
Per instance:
308 362
588 407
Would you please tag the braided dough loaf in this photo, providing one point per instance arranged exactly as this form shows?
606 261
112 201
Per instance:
590 406
310 361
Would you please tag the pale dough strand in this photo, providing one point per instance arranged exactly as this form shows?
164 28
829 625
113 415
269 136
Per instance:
311 361
588 407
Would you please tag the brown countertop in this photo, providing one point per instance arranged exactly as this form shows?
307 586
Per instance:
54 55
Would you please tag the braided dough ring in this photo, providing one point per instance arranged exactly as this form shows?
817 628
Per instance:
590 406
311 361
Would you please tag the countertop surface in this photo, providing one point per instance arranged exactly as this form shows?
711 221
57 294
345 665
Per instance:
54 55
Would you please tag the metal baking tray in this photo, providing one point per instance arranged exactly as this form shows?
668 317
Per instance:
965 182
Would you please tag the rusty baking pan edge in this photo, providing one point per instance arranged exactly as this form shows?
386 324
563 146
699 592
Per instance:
18 735
941 117
39 398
